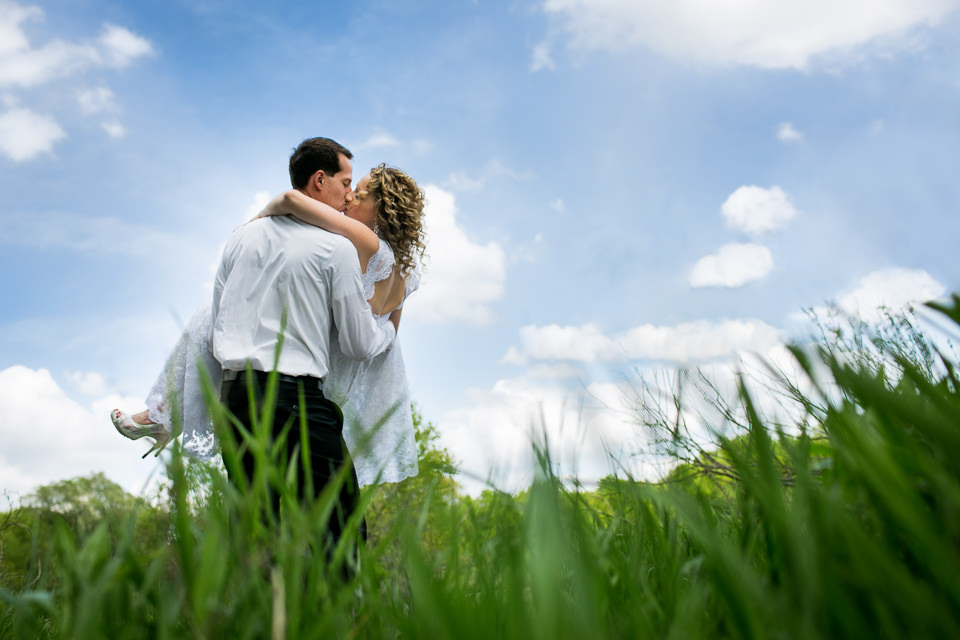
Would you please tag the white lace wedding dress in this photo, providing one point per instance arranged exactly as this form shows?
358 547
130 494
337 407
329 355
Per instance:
373 394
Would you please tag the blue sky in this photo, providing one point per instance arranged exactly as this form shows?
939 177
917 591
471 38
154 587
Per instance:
615 187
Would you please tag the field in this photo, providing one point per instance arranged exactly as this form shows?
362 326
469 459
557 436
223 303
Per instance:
845 525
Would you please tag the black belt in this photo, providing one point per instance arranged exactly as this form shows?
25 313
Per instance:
308 381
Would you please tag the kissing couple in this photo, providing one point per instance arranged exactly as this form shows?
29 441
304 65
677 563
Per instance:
326 269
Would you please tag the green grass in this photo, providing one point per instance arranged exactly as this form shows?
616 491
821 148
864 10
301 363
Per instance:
849 530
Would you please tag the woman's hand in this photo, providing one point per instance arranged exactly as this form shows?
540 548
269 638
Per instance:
280 205
395 318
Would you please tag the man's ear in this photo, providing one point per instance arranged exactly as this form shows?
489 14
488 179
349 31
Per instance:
318 178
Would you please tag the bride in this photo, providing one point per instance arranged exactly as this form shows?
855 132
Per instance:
383 222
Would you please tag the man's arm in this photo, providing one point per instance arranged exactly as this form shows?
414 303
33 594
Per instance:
223 270
361 338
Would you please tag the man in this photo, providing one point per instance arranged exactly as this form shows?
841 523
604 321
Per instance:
278 267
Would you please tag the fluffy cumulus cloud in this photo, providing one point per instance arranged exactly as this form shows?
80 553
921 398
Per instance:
12 37
707 402
734 265
47 436
755 210
93 101
114 129
787 133
24 65
889 289
592 429
89 383
462 278
24 134
589 433
119 47
760 33
683 343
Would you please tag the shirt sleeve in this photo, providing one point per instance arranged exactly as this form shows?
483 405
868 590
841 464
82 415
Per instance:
223 269
361 338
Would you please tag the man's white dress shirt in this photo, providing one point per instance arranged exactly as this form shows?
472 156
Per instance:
278 264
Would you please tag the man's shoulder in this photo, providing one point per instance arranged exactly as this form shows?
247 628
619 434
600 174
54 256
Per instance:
300 227
305 242
249 229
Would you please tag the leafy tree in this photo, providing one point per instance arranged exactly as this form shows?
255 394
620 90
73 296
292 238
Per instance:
73 509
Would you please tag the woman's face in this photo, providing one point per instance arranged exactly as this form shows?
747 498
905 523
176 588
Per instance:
363 208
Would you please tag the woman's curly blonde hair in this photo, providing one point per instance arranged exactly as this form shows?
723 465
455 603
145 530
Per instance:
399 214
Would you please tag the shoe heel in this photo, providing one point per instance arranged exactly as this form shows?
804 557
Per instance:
160 443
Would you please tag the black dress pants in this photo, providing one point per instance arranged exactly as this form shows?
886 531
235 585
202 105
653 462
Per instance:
328 452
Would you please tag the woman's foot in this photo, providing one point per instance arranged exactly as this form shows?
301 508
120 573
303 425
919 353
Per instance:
132 428
142 418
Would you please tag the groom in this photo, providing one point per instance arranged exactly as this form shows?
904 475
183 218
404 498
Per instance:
278 269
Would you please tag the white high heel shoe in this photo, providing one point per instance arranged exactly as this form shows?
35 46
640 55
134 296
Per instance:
134 430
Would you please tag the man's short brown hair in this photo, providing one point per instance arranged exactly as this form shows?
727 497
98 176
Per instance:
315 154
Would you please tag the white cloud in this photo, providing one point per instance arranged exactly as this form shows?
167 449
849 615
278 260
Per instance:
378 141
460 181
586 343
709 396
24 134
493 170
760 33
787 133
47 436
94 101
259 201
589 434
557 205
555 371
683 343
699 341
119 47
755 210
892 289
114 129
541 59
89 383
27 66
33 67
461 278
12 38
734 265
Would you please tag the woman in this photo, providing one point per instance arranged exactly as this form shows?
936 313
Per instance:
384 224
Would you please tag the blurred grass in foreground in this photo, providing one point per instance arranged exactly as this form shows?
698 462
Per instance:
849 528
